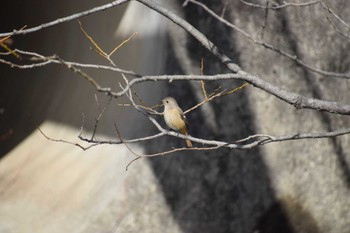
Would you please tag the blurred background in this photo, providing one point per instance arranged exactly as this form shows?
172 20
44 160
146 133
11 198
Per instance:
46 186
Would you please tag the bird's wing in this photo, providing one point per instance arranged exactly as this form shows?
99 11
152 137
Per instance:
183 117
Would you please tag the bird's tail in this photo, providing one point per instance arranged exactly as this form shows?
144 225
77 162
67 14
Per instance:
188 142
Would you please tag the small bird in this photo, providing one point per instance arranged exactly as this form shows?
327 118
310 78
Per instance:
175 118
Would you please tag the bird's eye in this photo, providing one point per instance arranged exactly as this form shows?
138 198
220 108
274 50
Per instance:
167 101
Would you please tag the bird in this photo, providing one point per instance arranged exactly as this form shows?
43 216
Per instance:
175 118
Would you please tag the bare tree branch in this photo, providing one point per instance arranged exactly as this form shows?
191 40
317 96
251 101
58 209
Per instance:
330 11
41 60
258 140
270 46
277 6
68 142
298 101
64 19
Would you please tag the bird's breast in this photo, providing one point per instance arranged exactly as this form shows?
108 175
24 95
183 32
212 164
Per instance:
173 119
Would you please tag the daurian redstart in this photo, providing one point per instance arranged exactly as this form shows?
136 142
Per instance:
175 118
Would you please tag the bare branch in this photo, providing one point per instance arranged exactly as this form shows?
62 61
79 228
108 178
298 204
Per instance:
99 116
127 146
277 6
269 46
174 150
45 60
265 139
64 19
207 99
98 48
337 29
67 142
330 11
292 98
297 136
121 44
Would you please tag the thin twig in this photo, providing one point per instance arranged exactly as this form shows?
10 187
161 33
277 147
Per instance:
211 97
99 116
121 44
202 82
138 156
67 142
281 6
